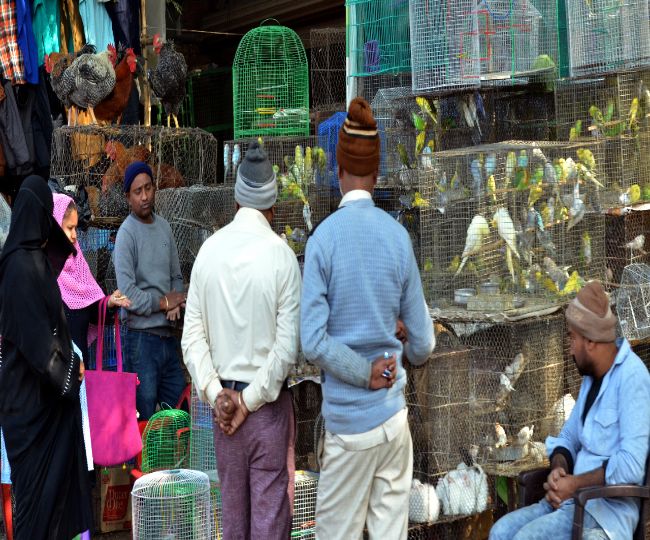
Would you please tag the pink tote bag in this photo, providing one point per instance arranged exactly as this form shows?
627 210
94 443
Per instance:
111 405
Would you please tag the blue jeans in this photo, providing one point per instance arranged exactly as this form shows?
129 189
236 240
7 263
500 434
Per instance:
155 359
540 522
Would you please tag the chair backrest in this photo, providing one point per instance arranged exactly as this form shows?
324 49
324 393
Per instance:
644 514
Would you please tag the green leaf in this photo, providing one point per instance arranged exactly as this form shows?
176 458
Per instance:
502 489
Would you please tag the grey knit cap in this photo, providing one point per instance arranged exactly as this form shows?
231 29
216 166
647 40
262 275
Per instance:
256 185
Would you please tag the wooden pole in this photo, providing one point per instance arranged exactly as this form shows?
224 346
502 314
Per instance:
144 42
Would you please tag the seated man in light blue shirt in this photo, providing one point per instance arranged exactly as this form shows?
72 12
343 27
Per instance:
604 441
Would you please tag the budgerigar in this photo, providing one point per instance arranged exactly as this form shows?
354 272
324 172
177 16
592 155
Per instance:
522 159
511 163
490 164
545 239
550 177
306 216
477 177
560 276
492 188
236 158
587 157
226 159
535 193
539 155
577 210
477 231
573 284
506 230
426 158
586 247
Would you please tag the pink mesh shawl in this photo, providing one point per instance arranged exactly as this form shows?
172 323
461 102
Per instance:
78 286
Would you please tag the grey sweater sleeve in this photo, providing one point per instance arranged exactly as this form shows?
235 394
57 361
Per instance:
177 276
125 260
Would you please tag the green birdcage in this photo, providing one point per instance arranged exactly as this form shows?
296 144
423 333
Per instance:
270 80
165 441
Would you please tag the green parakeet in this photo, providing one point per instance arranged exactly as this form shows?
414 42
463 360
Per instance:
575 131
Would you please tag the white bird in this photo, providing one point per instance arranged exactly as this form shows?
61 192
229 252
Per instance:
507 231
424 505
306 215
561 412
537 451
502 438
505 382
463 490
637 244
516 367
525 435
477 231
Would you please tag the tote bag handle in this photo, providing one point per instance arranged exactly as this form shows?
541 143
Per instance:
101 324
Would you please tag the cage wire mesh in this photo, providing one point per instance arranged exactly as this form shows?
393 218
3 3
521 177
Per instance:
270 83
516 389
440 419
444 45
5 221
474 201
203 457
633 302
97 156
642 350
328 69
109 347
328 136
307 399
165 441
172 504
303 191
194 213
612 108
607 36
378 37
304 506
625 236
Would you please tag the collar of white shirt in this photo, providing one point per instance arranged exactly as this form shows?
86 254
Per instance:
354 195
250 216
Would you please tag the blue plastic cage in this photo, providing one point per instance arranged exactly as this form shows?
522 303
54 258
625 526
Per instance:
328 135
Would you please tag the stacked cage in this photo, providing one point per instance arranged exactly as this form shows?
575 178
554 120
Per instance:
270 83
203 457
516 220
328 136
97 156
441 423
445 52
165 441
307 398
613 109
625 241
517 390
194 213
303 190
172 504
517 40
633 303
304 506
328 69
607 36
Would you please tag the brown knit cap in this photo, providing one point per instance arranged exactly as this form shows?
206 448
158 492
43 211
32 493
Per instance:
358 148
590 315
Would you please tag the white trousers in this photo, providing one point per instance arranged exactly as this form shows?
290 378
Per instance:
364 487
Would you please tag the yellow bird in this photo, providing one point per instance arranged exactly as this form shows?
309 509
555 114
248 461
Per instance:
573 285
492 187
453 266
635 193
536 192
428 265
419 201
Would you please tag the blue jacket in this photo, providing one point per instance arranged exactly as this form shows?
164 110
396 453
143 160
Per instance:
617 428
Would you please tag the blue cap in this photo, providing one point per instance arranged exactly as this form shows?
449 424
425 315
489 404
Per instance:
133 170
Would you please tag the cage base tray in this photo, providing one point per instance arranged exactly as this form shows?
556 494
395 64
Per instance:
490 302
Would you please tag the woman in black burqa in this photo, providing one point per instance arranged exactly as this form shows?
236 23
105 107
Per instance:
40 413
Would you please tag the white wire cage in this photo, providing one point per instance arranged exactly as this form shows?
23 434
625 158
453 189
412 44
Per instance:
172 504
304 505
633 302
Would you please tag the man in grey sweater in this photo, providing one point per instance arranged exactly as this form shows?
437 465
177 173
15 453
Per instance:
149 274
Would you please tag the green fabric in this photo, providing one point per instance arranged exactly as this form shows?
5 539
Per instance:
46 19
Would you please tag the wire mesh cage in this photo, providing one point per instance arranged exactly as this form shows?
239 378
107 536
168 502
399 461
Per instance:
516 388
194 213
633 302
378 37
612 108
444 45
97 156
328 136
517 39
172 504
270 81
303 192
328 85
203 458
471 203
607 36
307 399
304 506
642 350
165 441
625 235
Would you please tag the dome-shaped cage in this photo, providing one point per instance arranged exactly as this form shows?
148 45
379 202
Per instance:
165 441
172 504
633 302
270 83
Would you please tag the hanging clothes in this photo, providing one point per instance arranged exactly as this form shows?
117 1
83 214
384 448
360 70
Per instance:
72 27
125 15
11 58
46 22
97 24
27 41
42 126
12 136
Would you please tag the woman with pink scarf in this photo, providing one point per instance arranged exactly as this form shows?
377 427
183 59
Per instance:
79 290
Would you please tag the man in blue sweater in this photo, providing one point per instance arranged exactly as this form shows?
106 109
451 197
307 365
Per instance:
360 279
